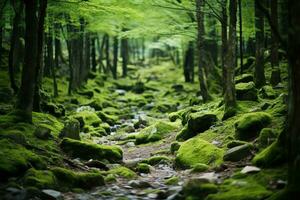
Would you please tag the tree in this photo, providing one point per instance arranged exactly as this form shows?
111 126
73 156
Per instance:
259 73
25 96
241 36
115 59
124 54
201 50
229 97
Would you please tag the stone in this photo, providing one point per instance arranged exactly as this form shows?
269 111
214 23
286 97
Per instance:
43 133
57 110
139 184
71 129
177 87
267 92
250 169
198 188
246 91
244 78
88 94
51 194
97 164
238 153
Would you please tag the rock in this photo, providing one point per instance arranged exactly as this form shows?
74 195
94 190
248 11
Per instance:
143 168
71 129
197 123
174 146
132 163
267 92
172 180
40 179
96 104
120 92
210 177
97 164
139 87
200 168
195 151
250 124
139 184
235 143
155 160
12 193
87 151
244 78
56 110
177 87
246 91
238 153
142 121
250 169
14 135
88 94
110 119
196 188
266 137
42 133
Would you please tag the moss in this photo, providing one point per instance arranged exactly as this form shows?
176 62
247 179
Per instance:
249 125
70 179
267 92
143 168
14 135
110 178
172 181
266 137
246 91
47 121
122 172
197 190
270 156
88 151
89 118
195 151
15 159
174 147
154 132
235 143
154 160
244 78
110 119
40 179
199 167
174 116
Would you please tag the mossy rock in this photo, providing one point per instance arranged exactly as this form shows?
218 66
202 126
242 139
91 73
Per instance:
266 137
89 118
154 160
172 181
71 129
70 179
42 179
250 124
174 146
143 168
271 156
196 189
196 150
56 110
238 153
88 151
154 132
199 167
174 116
110 119
267 92
197 123
244 78
235 143
15 159
122 172
246 91
14 135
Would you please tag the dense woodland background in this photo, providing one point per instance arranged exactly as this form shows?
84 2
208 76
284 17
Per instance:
228 70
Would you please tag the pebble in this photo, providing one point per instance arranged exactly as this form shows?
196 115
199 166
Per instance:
250 169
52 194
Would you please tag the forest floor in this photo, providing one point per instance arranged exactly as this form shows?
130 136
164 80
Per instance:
146 115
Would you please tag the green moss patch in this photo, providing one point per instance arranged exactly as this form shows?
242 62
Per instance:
195 151
40 179
143 168
88 151
154 160
122 172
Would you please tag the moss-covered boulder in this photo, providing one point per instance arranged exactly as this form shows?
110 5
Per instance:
174 146
70 179
88 118
238 153
267 92
198 168
56 110
110 119
122 172
71 129
88 151
143 168
195 151
244 78
41 179
197 123
154 160
246 91
15 136
266 137
271 156
155 132
196 189
250 124
15 159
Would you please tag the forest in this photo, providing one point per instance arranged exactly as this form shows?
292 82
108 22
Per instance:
149 99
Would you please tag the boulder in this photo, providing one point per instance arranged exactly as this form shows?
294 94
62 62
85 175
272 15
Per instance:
198 189
244 78
267 92
197 123
43 133
177 87
88 94
51 194
40 179
71 129
250 124
238 153
139 87
195 151
56 110
246 91
87 151
266 137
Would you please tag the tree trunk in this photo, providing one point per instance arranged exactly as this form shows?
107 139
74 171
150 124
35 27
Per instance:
188 68
259 74
115 61
201 51
25 97
294 100
13 42
107 57
230 64
224 40
93 55
87 56
275 76
1 38
241 37
50 60
100 50
124 54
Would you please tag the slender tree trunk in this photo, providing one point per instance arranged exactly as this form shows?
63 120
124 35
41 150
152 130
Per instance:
115 61
107 56
275 76
87 56
50 61
56 58
25 97
201 51
189 63
1 38
93 54
294 100
241 37
259 74
13 42
124 54
143 49
100 49
230 64
224 40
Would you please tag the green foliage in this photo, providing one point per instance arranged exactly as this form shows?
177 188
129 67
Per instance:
42 179
154 160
